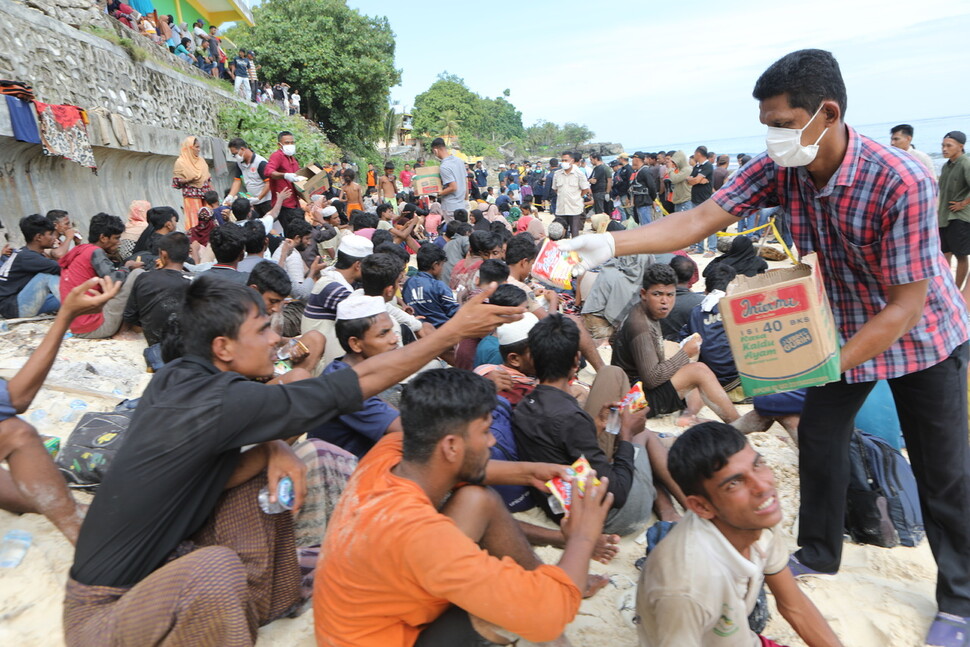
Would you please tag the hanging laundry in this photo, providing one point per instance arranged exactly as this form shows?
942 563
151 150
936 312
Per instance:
102 134
22 119
120 126
17 89
63 132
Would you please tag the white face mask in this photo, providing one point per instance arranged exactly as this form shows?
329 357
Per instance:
238 158
785 145
566 165
289 150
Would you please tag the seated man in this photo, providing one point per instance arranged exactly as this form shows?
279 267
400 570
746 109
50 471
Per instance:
685 301
381 582
92 260
551 427
33 483
29 280
181 482
334 285
703 579
161 221
66 236
273 284
229 246
425 293
256 244
289 256
515 377
364 330
156 296
638 349
381 275
705 320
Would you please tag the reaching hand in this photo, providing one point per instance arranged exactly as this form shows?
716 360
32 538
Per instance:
87 299
476 318
291 177
593 249
283 461
501 378
587 512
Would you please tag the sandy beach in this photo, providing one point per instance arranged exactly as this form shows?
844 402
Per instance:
880 596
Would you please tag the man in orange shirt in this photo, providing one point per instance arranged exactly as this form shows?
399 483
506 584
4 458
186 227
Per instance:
410 560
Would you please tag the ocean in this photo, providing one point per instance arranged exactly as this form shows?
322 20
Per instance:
928 133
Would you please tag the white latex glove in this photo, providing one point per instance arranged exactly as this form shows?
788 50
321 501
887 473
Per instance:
291 177
229 200
593 250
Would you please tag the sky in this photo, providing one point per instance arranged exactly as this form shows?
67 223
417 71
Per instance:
680 71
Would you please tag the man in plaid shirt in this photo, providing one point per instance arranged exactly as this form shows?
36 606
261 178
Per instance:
869 211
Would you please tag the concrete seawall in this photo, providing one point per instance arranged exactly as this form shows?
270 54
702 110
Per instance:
160 105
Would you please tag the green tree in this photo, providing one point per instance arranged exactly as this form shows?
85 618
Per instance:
389 129
448 93
341 61
449 124
573 135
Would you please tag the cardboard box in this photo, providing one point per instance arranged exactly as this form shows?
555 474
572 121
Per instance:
781 330
426 180
316 181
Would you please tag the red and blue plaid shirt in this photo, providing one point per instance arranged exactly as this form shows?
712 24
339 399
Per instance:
873 225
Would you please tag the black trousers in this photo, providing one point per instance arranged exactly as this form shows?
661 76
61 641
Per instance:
932 407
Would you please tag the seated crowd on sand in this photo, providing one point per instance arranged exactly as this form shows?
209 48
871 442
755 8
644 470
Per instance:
399 365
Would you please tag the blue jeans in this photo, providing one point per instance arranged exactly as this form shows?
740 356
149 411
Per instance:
644 214
40 296
711 240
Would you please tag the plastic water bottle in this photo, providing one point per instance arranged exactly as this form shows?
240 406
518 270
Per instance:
13 548
37 417
613 422
76 409
284 497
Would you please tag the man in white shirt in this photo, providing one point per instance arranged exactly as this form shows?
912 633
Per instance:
703 579
297 236
902 138
571 185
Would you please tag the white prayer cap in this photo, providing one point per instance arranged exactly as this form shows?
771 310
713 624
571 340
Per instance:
326 212
360 306
356 246
512 333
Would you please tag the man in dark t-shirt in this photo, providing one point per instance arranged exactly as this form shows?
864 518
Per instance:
701 188
155 296
29 280
599 183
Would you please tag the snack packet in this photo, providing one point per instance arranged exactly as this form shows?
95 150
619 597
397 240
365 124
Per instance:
635 398
554 266
562 491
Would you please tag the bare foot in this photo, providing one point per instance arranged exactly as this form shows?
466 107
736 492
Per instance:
594 583
606 548
689 420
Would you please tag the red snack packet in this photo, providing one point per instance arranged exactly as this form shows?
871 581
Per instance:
635 398
554 266
562 491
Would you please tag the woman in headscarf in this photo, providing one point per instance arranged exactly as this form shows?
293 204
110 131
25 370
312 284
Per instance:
492 214
536 229
191 175
523 223
478 221
743 257
432 222
134 227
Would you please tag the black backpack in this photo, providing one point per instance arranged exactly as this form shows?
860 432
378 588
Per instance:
87 453
882 506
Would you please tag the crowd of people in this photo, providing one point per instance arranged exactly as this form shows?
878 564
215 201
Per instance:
203 47
393 357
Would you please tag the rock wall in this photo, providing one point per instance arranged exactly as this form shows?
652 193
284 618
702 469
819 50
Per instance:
162 99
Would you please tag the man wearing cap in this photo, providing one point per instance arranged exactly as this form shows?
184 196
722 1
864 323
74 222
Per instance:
453 179
571 185
363 329
513 346
334 285
954 206
867 208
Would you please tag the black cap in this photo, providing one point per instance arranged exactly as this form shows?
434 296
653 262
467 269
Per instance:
640 154
413 208
956 135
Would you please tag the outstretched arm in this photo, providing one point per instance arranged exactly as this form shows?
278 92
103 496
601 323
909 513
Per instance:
81 300
798 610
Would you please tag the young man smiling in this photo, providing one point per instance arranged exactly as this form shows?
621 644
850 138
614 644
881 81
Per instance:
869 210
702 581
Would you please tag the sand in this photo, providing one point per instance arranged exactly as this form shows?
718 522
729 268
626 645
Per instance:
880 596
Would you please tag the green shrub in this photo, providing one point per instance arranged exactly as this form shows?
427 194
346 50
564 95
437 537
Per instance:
259 126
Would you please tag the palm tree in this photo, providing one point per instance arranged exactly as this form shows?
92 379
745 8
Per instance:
389 129
449 124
